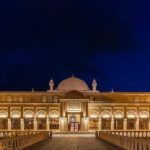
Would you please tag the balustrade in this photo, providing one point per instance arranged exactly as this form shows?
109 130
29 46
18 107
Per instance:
130 140
22 140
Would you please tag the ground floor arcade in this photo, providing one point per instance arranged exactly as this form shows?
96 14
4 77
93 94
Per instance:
74 122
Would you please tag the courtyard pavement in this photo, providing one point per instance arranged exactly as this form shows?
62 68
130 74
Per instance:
73 143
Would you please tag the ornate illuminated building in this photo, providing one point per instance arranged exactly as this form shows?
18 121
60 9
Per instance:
73 106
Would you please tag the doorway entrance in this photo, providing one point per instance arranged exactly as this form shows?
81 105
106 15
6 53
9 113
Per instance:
74 126
74 122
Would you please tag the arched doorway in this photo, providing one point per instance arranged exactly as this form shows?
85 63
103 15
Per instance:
74 124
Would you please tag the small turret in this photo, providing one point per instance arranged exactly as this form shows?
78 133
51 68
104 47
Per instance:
51 85
94 86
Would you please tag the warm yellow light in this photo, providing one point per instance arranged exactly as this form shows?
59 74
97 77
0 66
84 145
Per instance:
3 116
41 116
93 116
131 116
16 116
118 116
29 116
106 116
54 116
144 116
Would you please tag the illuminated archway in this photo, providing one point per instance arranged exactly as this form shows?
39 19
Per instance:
93 114
118 120
28 114
131 120
41 120
106 120
3 114
3 119
54 114
118 114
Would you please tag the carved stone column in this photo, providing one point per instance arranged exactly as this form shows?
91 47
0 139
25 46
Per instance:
63 124
149 124
100 124
137 123
47 123
9 124
35 124
125 124
84 124
112 123
22 124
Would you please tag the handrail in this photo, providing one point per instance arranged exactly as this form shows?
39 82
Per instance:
21 142
126 142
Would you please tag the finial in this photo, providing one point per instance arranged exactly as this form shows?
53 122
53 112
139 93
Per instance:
94 85
112 90
51 85
32 89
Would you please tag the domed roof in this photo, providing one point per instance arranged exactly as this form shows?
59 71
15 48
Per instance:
71 84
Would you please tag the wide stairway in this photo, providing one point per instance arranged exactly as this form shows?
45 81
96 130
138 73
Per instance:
73 141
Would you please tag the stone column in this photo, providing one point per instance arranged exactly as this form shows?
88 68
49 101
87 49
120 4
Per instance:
9 124
47 123
149 124
125 124
22 124
137 124
112 123
35 124
84 124
63 124
100 124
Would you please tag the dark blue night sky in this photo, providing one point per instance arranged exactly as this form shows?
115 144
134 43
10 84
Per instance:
107 40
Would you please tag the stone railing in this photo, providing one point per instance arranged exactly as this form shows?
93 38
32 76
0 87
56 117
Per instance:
4 134
127 140
22 141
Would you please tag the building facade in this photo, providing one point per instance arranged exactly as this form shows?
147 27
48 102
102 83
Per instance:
73 106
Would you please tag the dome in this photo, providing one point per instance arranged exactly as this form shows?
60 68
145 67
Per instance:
71 84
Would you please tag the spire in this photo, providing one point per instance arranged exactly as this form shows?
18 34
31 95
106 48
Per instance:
94 85
112 90
51 85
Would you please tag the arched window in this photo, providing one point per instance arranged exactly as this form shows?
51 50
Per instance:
28 120
54 120
15 119
106 120
54 114
41 120
118 114
15 114
41 114
3 119
93 120
118 122
131 114
131 119
143 123
28 114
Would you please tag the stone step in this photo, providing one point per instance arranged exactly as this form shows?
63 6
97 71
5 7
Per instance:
73 134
